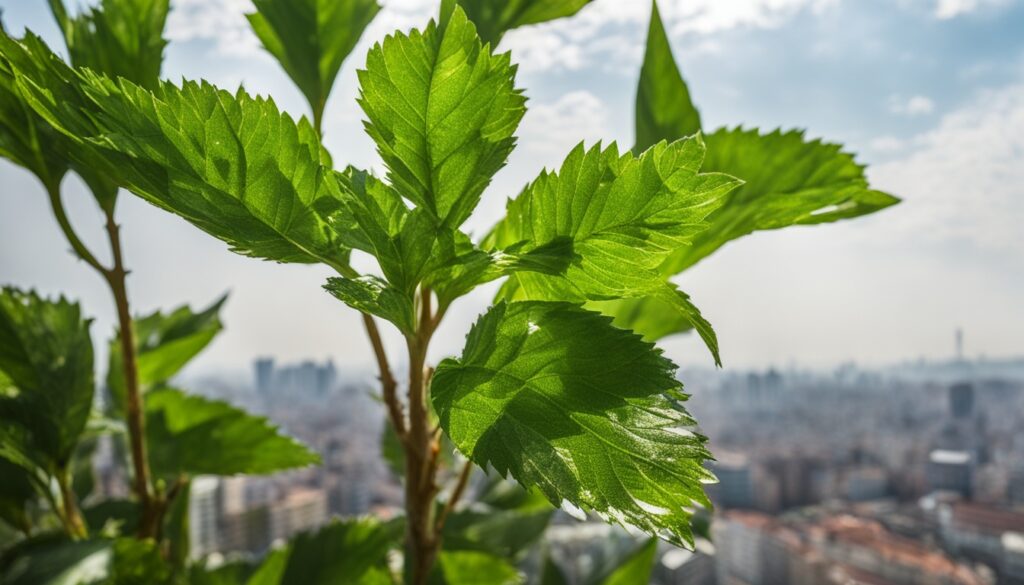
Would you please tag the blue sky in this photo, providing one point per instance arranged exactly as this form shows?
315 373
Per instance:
929 93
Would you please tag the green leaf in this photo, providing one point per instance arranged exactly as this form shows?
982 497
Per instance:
493 18
343 552
311 39
231 164
46 356
118 38
664 313
164 345
369 294
789 180
664 110
17 492
55 561
25 138
560 399
194 435
624 214
442 110
634 568
504 532
551 573
472 568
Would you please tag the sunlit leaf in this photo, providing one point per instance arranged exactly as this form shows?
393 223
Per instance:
493 18
558 398
311 39
442 110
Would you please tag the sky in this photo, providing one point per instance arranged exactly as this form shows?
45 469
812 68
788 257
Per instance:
928 93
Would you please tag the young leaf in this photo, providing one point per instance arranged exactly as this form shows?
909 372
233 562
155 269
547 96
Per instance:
231 164
118 38
789 180
624 214
664 110
464 567
493 18
311 39
195 435
46 356
560 399
164 345
371 295
442 110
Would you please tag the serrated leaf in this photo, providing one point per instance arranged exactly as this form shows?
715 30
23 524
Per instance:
668 311
164 345
624 214
231 164
46 356
442 110
560 399
374 218
311 39
472 568
635 567
789 180
493 18
371 295
194 435
118 38
25 138
664 109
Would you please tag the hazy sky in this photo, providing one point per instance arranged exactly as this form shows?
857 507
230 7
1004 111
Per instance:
930 93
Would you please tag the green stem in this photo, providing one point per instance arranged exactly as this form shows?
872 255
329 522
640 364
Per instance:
70 514
79 248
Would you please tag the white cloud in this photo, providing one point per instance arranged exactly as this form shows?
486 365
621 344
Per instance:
551 130
711 16
917 105
964 180
945 9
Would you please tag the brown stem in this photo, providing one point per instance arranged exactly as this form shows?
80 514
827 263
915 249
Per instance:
71 517
460 488
420 461
116 276
387 381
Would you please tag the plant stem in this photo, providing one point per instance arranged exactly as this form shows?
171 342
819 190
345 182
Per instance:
421 455
116 276
71 516
79 248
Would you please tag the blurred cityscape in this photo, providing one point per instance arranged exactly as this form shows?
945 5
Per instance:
906 475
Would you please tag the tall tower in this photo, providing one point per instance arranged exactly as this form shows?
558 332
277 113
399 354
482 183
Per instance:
959 340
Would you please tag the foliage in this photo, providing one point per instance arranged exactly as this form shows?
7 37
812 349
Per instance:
788 180
46 358
559 385
311 39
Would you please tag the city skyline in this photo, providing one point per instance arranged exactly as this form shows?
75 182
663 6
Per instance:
937 110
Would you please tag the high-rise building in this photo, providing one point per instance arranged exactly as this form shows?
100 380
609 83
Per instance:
264 369
203 513
950 471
